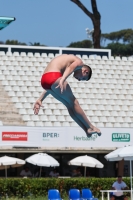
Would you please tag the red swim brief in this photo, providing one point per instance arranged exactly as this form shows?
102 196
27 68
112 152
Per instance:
49 78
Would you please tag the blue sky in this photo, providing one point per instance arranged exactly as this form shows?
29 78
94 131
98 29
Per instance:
60 22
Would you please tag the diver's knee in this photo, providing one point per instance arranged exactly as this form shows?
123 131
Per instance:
76 102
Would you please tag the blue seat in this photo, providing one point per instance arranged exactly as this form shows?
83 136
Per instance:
86 194
54 194
110 194
74 194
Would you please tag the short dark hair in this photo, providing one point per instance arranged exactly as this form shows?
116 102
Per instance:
119 176
90 72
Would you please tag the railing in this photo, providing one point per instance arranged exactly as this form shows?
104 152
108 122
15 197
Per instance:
59 50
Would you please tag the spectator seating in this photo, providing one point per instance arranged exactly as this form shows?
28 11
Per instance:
86 194
106 98
74 194
54 194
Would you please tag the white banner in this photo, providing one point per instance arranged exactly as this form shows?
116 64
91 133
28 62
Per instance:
64 137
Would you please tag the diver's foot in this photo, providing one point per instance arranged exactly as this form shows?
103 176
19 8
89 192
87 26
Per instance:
92 131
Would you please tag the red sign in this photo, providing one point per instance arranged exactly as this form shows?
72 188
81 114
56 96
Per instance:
14 136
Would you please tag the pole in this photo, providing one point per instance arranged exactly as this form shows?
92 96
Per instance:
131 177
5 171
85 172
40 171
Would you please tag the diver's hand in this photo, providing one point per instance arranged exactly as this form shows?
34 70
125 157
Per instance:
61 85
37 106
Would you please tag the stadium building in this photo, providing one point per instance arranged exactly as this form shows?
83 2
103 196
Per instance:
107 100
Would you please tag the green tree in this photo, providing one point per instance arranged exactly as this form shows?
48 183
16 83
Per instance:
120 49
81 44
36 44
125 35
14 42
96 20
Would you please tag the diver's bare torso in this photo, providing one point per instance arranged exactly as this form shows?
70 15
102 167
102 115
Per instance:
59 64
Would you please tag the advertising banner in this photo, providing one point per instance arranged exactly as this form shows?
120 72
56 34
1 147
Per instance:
14 136
64 137
111 137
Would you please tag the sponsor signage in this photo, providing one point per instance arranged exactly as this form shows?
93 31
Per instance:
64 137
120 137
14 136
84 138
47 136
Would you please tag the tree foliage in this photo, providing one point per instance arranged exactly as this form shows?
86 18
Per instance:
117 48
120 49
14 42
33 188
81 44
36 44
125 35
